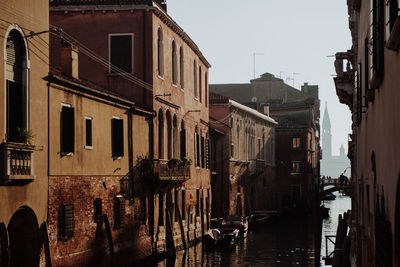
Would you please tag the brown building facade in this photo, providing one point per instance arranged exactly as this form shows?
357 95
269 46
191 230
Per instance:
136 51
24 132
243 148
367 81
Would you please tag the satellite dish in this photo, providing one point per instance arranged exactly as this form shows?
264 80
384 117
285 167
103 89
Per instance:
254 99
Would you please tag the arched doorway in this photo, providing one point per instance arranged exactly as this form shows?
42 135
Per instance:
24 236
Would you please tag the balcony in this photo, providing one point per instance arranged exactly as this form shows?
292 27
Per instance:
164 170
344 81
17 162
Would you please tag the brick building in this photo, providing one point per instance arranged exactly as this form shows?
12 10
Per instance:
367 82
243 158
23 115
135 50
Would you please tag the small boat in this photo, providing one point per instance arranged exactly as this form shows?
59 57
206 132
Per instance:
258 218
237 222
224 237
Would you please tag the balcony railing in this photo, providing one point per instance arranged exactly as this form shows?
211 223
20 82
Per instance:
344 81
17 162
164 170
260 165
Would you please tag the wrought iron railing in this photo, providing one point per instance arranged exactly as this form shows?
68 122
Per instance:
17 161
166 172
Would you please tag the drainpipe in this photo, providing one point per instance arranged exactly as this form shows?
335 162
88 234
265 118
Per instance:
130 152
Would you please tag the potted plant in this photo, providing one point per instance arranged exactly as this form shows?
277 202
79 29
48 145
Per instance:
174 162
144 164
25 136
186 162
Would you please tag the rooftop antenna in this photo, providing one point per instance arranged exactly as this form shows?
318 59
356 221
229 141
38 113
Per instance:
294 73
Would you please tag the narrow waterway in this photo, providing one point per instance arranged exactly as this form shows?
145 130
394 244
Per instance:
287 242
338 206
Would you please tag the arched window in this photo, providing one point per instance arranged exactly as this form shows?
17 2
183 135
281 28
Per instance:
160 134
160 52
183 140
200 92
206 89
175 137
196 93
16 84
182 68
174 63
169 134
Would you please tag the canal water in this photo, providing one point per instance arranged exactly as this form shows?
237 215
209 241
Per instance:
288 242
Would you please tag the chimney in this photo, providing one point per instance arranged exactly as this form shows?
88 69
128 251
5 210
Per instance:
266 109
69 59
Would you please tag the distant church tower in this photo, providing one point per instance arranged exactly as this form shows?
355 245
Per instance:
326 135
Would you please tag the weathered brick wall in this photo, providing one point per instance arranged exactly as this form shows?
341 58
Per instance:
89 245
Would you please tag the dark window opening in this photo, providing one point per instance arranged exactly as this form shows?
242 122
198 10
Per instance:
176 202
183 143
117 136
67 130
67 224
98 210
121 53
88 123
160 209
15 110
197 202
183 202
202 152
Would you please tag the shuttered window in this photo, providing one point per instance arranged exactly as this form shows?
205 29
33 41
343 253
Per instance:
117 136
119 212
121 55
15 57
67 224
67 130
392 12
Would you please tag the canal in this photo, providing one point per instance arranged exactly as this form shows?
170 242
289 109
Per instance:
286 242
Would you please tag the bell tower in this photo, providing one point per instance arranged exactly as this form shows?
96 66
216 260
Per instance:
326 135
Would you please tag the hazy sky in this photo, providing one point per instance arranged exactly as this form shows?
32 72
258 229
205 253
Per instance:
296 36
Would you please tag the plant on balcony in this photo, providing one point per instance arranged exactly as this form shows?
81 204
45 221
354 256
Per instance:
174 163
186 162
25 135
144 164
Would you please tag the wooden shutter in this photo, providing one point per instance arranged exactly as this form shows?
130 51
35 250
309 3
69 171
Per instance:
67 129
67 220
117 135
14 51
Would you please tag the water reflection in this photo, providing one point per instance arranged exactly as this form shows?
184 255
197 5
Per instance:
288 242
338 206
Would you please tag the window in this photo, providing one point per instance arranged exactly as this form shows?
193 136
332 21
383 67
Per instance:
200 92
117 137
376 41
196 93
197 202
160 209
174 64
160 52
259 147
175 150
296 143
98 210
183 200
203 156
197 148
181 68
295 167
358 93
67 224
88 124
206 89
183 140
207 153
67 129
160 134
121 53
392 12
119 212
263 146
16 85
176 202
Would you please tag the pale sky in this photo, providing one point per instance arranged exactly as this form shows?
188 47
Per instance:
296 36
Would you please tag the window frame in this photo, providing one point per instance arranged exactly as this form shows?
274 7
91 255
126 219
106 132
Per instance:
110 35
62 146
89 147
114 149
296 145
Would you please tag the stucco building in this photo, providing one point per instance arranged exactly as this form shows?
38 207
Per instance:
134 49
243 156
23 115
367 82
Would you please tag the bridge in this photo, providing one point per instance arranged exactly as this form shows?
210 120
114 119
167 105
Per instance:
337 186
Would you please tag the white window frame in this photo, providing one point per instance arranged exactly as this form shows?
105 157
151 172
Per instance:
109 51
91 119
